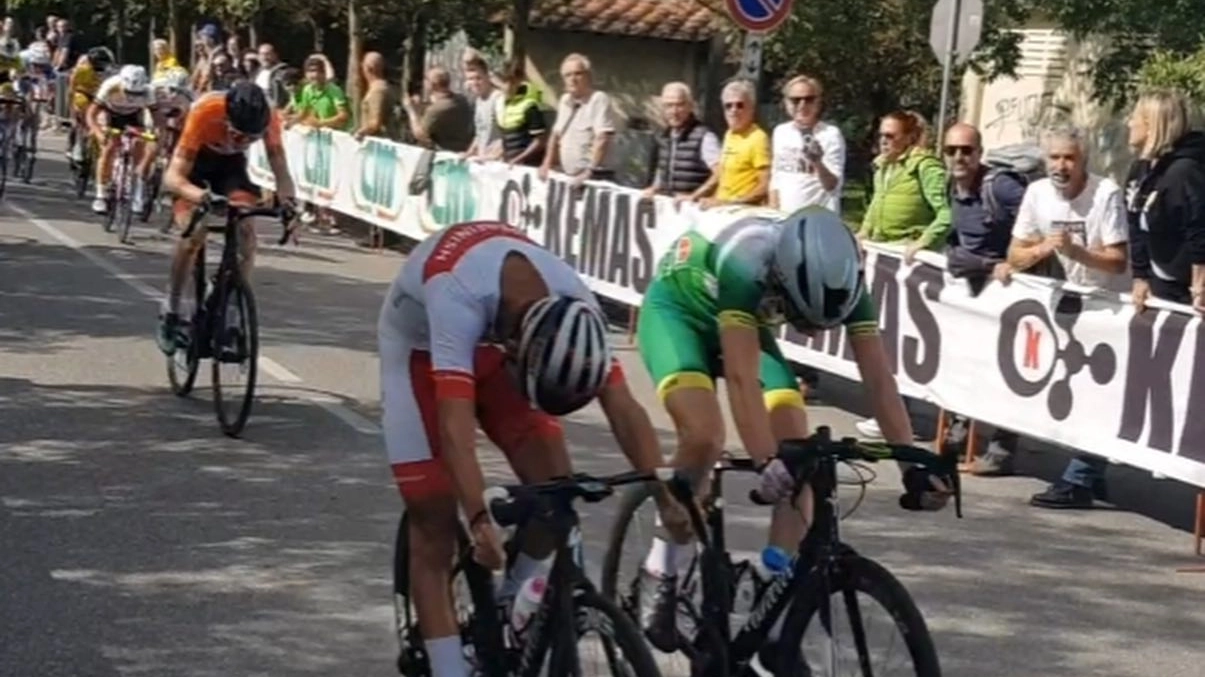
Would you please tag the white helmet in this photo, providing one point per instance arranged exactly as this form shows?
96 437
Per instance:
133 78
818 267
38 54
9 48
563 354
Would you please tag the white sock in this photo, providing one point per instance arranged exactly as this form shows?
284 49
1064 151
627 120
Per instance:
138 189
447 657
666 558
526 566
101 193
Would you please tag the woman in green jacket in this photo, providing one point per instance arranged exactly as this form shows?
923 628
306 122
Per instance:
910 204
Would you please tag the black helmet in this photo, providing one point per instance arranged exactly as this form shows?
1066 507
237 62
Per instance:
100 58
247 108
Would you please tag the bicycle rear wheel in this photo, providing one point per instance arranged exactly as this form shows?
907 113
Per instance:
826 655
83 173
182 366
479 632
235 341
151 193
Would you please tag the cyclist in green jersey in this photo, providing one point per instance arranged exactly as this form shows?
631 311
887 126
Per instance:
711 311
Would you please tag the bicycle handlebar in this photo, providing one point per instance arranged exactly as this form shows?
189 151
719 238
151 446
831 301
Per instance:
513 504
237 213
801 454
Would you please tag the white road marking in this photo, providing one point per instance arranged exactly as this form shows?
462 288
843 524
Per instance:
271 367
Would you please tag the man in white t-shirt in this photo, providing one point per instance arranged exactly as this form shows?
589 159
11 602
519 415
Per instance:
808 154
1072 224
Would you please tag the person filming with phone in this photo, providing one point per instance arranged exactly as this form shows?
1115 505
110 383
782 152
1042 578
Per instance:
808 153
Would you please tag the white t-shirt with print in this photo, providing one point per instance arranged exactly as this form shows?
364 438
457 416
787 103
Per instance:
797 188
1094 219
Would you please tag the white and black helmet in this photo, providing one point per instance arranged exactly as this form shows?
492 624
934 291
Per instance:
133 79
563 354
818 266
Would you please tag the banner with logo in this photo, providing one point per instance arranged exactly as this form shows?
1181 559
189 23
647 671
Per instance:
1074 367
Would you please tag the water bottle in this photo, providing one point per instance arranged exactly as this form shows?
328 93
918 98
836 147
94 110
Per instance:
774 562
527 601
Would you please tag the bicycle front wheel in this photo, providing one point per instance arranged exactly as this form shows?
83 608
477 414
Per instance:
836 629
619 649
235 341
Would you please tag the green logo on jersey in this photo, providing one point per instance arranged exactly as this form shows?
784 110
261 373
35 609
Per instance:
376 190
450 195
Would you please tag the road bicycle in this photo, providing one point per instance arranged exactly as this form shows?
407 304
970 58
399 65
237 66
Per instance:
25 152
223 326
154 182
8 107
822 567
570 607
89 150
120 195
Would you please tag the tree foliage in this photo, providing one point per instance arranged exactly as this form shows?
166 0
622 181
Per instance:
1169 70
873 56
1133 30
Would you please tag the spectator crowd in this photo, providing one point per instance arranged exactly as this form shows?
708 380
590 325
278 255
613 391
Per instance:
1033 208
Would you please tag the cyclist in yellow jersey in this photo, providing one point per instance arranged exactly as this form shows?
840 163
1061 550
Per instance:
85 80
10 66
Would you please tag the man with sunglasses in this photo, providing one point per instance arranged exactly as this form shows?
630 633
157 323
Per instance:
211 157
719 295
983 209
809 154
743 174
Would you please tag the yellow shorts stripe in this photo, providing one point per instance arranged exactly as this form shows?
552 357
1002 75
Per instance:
737 318
783 397
863 328
684 379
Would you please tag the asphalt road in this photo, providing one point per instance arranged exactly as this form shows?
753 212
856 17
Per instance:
135 539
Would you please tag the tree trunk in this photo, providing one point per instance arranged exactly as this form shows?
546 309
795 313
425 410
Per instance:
355 53
416 54
173 28
121 31
520 29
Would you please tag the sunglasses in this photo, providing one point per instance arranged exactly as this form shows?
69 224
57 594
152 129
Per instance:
734 105
952 151
794 101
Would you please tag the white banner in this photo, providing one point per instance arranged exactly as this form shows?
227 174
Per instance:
1042 358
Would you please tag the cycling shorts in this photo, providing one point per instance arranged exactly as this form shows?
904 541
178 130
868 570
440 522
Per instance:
411 426
682 350
225 175
141 119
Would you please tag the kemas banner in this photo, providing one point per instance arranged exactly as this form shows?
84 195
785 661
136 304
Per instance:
1035 356
1040 358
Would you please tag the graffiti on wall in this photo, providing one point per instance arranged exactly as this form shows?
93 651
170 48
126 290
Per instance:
1024 116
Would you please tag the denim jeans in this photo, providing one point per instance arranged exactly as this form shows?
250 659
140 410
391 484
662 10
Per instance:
1085 471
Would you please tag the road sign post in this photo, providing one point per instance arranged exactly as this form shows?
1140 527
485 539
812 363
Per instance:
758 18
954 32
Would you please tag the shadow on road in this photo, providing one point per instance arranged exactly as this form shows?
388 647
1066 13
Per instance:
165 548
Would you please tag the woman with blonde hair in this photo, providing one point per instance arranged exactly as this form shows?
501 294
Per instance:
1165 207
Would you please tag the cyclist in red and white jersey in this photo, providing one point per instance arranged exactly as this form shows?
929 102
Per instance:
471 301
